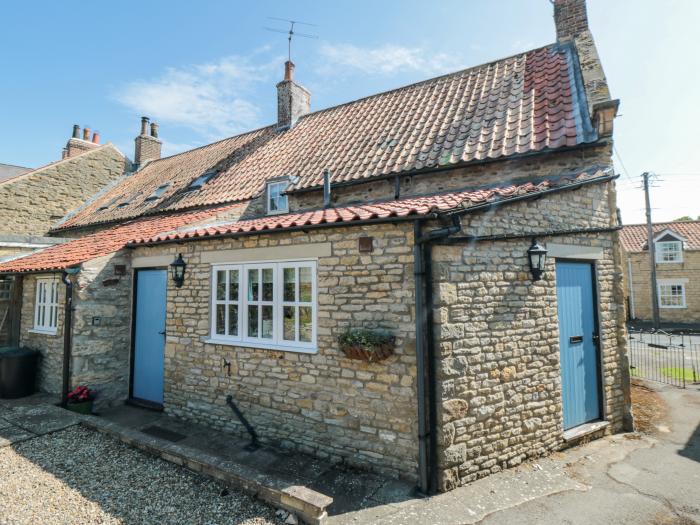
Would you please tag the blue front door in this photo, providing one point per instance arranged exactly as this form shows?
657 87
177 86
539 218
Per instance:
578 343
149 336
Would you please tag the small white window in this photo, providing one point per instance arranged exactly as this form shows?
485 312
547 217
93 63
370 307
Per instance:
46 306
265 305
672 295
669 252
276 199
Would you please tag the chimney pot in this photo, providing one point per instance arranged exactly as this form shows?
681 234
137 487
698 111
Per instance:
570 19
86 133
144 125
76 131
96 137
154 130
288 71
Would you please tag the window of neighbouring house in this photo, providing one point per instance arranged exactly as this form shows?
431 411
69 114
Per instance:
671 294
669 252
265 305
46 305
276 199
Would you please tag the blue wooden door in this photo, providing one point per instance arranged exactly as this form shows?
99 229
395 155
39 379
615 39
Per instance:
578 343
149 336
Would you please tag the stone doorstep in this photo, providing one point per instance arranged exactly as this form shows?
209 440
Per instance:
309 505
576 433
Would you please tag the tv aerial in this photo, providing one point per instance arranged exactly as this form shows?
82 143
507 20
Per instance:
291 33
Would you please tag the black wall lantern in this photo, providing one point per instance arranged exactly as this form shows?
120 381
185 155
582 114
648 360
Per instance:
537 255
177 269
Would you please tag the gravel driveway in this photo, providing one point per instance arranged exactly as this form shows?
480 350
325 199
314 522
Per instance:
77 476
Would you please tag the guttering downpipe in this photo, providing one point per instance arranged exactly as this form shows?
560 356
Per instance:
67 332
425 353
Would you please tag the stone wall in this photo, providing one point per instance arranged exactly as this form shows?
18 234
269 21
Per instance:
489 174
50 346
101 331
323 403
498 338
640 279
102 328
32 203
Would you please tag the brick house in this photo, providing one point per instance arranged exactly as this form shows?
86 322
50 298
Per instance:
677 247
34 200
413 212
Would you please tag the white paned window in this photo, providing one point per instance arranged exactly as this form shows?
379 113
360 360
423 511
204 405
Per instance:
265 305
46 306
671 294
276 199
669 252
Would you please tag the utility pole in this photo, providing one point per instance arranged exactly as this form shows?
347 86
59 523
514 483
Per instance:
652 255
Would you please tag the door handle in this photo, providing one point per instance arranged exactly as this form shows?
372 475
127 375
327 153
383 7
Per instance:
575 339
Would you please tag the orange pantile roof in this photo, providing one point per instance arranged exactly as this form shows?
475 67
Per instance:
409 207
107 241
634 236
222 221
525 103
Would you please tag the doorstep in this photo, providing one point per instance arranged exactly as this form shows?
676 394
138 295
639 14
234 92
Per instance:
309 505
576 433
309 487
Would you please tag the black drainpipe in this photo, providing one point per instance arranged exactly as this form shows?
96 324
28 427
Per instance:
425 353
67 332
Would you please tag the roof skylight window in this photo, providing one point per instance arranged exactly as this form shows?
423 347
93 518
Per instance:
158 192
108 205
201 180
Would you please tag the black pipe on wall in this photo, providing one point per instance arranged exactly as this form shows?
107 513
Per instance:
425 353
67 332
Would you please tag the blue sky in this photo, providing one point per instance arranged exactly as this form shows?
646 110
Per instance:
205 70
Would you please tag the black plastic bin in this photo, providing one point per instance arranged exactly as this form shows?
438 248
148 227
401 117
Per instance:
17 372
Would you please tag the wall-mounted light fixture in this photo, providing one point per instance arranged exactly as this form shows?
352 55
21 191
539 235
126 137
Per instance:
537 256
177 270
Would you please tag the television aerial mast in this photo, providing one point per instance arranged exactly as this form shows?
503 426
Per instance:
291 33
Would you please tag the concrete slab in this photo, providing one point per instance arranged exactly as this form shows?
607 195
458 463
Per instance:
11 434
41 419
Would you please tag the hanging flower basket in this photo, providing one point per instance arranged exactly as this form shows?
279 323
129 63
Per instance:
367 345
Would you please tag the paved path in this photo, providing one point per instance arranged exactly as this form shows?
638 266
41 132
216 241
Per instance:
617 480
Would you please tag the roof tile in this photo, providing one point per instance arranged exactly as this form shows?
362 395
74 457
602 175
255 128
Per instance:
516 105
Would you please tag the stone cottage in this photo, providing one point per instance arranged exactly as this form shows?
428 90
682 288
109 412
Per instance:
677 261
34 200
467 221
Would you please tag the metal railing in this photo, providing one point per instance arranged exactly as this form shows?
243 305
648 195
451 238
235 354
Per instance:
671 358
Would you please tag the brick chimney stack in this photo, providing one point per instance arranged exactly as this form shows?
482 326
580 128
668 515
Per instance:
570 19
148 145
77 145
293 101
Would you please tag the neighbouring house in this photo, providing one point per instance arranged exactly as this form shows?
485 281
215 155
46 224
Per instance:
34 200
677 261
468 222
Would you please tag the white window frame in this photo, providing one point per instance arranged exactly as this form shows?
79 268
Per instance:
670 283
283 184
276 342
660 251
46 306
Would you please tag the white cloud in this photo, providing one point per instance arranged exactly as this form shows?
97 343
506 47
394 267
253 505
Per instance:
387 59
213 99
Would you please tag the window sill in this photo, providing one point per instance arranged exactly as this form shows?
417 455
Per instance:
42 332
261 346
673 307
